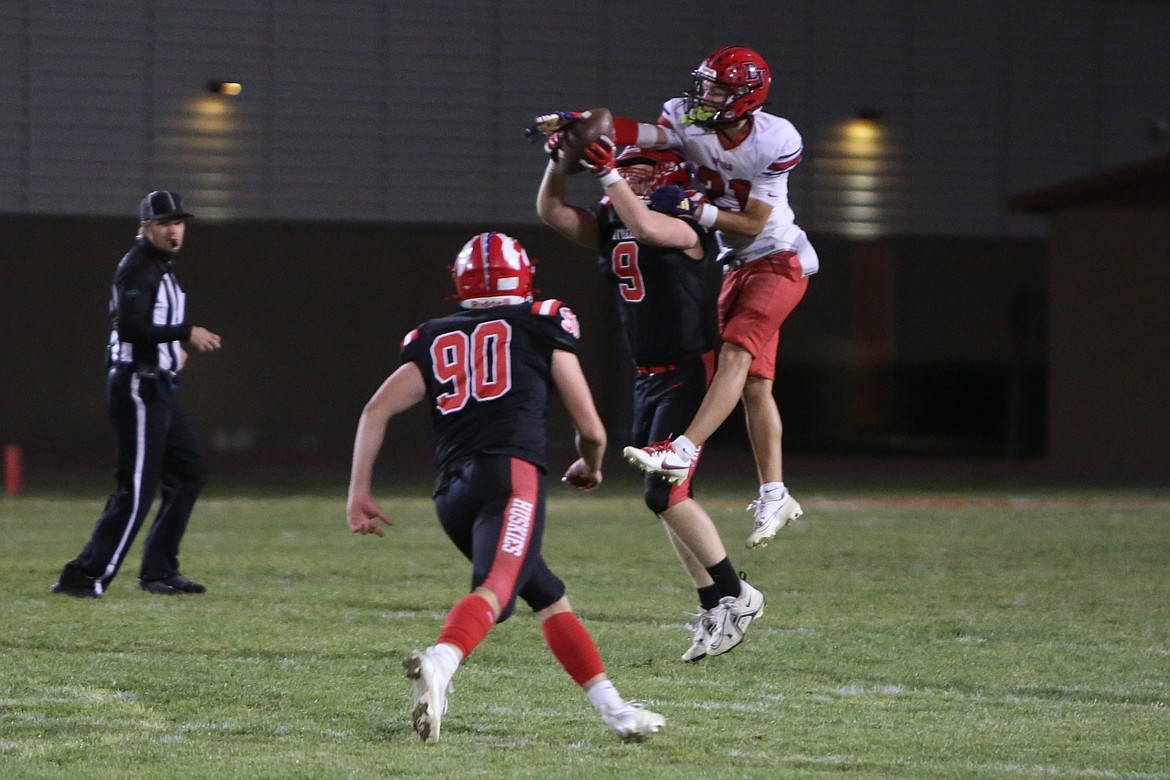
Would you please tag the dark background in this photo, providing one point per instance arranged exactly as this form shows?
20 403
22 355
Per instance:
918 346
985 183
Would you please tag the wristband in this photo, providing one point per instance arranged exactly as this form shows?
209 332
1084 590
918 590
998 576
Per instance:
610 179
708 216
625 130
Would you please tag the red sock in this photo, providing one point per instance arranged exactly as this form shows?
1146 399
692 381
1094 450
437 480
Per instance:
468 623
572 646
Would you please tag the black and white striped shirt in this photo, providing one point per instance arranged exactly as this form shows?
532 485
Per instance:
147 310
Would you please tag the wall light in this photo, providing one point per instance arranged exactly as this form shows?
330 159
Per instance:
225 87
860 176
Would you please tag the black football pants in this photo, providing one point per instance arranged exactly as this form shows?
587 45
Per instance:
477 501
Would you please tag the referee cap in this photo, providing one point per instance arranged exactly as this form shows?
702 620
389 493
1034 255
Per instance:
161 204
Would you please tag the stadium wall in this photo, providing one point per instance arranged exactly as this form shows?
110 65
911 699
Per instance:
918 345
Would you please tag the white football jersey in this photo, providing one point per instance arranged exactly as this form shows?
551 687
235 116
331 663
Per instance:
756 167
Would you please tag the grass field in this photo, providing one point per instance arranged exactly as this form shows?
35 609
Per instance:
942 633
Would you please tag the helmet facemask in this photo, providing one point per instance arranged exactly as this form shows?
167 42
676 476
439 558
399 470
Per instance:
730 84
647 170
710 103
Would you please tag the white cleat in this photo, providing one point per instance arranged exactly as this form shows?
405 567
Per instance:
703 625
770 518
430 695
734 616
661 460
632 722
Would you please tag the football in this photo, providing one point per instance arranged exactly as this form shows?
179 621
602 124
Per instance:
593 124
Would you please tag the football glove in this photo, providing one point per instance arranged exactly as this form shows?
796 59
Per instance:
552 147
547 124
677 202
598 157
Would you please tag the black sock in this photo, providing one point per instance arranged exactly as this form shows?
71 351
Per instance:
725 577
709 596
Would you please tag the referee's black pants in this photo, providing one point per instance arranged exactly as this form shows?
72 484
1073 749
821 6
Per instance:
156 447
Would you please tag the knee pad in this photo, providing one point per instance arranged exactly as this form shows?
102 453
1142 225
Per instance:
657 494
506 611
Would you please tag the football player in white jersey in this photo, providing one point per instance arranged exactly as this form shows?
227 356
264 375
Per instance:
742 157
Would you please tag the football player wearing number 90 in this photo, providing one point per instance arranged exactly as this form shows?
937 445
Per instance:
486 373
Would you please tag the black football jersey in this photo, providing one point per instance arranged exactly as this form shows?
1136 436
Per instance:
667 305
488 373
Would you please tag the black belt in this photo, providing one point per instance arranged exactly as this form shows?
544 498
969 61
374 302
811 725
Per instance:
665 369
654 369
148 372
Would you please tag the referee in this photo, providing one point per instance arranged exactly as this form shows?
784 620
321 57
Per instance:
156 444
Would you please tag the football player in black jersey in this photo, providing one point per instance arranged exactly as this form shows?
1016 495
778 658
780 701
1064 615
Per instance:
486 373
658 266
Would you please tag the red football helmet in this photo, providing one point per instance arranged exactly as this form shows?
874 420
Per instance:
492 269
729 84
669 167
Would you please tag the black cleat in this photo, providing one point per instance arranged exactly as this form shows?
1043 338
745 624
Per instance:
174 585
78 591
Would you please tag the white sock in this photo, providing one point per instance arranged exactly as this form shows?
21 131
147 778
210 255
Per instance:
684 447
446 657
773 491
604 696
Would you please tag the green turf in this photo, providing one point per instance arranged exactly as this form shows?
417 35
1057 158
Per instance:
936 634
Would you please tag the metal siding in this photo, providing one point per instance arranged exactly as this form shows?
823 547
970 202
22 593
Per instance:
13 107
1052 93
365 110
955 120
84 93
1136 84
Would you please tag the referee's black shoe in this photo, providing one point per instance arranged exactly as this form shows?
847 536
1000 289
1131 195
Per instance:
79 591
174 585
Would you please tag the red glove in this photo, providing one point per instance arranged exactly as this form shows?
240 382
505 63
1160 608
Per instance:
598 157
552 147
